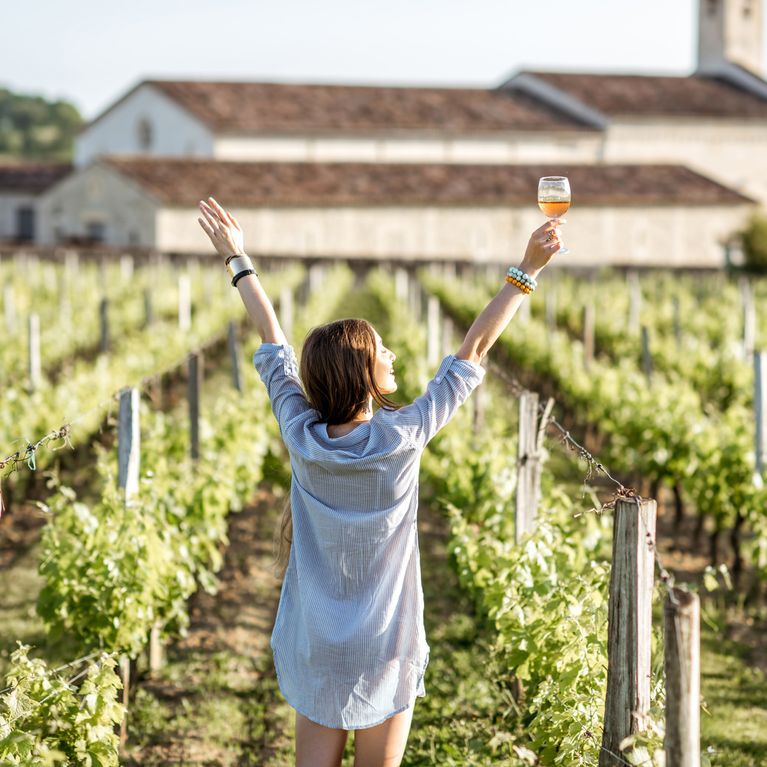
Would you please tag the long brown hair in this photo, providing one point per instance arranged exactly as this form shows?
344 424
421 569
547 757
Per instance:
337 371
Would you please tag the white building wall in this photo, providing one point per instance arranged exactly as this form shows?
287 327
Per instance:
97 195
661 236
734 153
518 147
9 205
174 132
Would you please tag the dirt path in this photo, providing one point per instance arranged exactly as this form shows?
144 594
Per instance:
216 702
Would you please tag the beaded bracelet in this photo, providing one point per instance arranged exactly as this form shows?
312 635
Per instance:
518 274
521 285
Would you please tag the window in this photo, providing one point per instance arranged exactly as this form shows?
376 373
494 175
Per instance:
25 223
96 231
144 133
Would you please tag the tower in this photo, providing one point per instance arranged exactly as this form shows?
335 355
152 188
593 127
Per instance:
730 31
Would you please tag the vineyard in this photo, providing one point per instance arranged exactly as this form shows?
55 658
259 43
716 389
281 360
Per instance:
592 525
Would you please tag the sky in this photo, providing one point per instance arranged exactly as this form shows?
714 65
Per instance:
90 52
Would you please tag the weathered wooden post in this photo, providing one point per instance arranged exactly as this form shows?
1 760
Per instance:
528 467
35 365
184 303
478 409
749 317
760 414
148 308
681 614
401 284
126 266
677 321
588 334
9 307
315 278
432 331
193 395
286 312
128 458
635 301
447 336
234 354
629 625
646 356
104 325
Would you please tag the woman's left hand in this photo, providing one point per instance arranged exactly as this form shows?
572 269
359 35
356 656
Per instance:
223 229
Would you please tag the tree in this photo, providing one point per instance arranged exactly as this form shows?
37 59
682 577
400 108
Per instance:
754 240
33 128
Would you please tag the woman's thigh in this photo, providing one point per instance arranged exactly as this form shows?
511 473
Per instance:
384 744
318 746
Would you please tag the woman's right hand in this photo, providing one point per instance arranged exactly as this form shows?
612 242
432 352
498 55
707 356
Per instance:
222 227
543 244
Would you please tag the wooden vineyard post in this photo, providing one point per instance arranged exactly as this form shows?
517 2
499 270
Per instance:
447 336
646 356
401 285
148 308
528 467
126 266
128 457
628 625
193 395
635 301
184 303
129 443
9 308
760 414
286 312
432 331
35 366
315 278
104 325
588 335
749 318
677 321
234 353
681 614
478 409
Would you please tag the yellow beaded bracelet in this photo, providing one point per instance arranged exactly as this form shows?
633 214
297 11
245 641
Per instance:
524 288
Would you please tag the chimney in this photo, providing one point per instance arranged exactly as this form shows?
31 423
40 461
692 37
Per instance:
730 31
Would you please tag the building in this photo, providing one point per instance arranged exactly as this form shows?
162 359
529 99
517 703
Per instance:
640 215
711 125
21 185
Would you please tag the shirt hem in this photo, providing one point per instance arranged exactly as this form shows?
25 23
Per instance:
356 726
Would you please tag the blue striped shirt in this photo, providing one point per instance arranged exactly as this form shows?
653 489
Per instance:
348 642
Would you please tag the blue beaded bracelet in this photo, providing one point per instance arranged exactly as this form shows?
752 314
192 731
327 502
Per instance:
518 274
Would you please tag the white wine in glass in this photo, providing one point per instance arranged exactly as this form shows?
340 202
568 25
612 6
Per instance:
554 200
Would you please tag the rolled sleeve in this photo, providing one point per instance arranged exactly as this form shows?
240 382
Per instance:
452 384
278 368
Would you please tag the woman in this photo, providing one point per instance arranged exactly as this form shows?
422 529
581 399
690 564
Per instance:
348 642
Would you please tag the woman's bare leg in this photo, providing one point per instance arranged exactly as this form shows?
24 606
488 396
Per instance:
318 746
384 744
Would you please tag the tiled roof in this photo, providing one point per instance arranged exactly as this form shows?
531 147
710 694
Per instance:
248 107
179 182
650 95
30 177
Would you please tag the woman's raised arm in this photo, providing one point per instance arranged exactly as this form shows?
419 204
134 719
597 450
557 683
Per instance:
228 239
494 318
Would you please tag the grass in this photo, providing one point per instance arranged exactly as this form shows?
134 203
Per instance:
734 731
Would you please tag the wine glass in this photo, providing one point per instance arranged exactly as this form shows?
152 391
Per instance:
554 200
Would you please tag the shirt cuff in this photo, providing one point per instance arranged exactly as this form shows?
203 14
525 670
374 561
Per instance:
471 371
